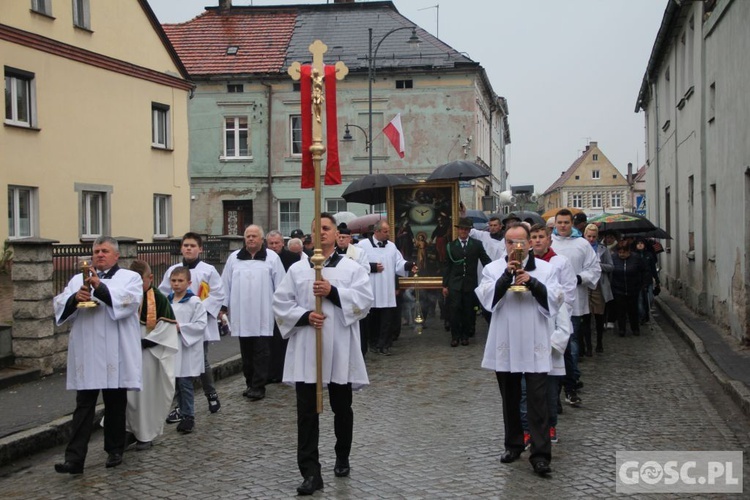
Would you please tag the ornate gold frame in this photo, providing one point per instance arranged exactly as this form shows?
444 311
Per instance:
397 200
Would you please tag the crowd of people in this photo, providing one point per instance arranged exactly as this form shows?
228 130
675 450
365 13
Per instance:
542 289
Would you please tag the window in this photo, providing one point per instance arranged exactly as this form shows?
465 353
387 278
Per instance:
162 215
404 84
578 177
288 216
42 7
595 174
81 17
295 87
20 98
295 135
92 214
21 212
595 157
159 125
236 137
577 201
596 201
615 200
235 88
380 208
334 205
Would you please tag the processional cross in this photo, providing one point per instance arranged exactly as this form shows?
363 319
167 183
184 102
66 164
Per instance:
317 74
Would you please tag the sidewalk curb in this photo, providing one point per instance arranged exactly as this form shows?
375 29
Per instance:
43 437
737 390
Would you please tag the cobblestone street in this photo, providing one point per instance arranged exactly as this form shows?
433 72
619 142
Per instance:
429 426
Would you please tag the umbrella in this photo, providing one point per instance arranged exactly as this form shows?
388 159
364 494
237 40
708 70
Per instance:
528 216
625 222
478 217
362 224
460 170
553 211
657 233
344 217
373 188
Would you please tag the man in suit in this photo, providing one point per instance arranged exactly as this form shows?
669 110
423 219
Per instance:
460 280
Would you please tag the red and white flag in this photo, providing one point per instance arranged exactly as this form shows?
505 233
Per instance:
395 134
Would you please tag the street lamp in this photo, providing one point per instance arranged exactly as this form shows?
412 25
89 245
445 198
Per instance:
371 60
348 136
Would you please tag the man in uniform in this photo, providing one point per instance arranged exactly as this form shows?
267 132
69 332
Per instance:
347 296
460 280
104 351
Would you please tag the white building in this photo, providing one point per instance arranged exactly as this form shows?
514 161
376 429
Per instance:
696 98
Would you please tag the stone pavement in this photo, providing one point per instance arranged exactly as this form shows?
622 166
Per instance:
429 426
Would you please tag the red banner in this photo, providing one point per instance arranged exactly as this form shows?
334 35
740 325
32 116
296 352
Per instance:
305 89
333 169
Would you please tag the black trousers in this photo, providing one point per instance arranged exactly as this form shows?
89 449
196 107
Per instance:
115 402
537 413
256 355
278 354
463 317
380 326
627 308
308 425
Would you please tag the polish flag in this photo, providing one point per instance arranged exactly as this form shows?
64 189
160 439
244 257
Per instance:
395 134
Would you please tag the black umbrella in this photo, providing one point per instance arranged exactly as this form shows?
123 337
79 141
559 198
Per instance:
657 233
460 170
625 222
372 189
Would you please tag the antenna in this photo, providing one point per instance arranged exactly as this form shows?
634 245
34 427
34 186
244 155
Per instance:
437 18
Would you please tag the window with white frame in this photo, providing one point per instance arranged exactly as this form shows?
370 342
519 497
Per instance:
92 214
159 125
20 98
81 16
334 205
380 208
236 137
295 135
595 157
288 216
42 7
616 200
162 215
596 174
596 200
577 201
22 218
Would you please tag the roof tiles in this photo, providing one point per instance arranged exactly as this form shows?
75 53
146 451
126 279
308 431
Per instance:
262 40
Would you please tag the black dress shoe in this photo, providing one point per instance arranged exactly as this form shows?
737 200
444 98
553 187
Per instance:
341 469
542 467
113 460
454 343
510 456
256 394
310 485
464 341
69 468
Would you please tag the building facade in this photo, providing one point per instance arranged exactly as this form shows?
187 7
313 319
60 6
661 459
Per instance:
94 139
245 123
591 183
695 96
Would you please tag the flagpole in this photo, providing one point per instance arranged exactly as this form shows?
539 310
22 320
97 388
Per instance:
317 149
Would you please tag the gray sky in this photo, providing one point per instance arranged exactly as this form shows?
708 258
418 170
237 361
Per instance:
571 69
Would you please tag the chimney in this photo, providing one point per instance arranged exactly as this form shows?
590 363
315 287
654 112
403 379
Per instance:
593 144
630 173
225 5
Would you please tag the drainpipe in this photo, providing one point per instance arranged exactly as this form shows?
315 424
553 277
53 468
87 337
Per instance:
269 179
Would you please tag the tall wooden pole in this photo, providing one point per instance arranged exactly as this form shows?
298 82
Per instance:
317 49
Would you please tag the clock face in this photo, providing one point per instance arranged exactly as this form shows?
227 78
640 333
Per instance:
422 214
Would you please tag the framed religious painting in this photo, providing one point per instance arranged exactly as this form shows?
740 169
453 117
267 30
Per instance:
421 217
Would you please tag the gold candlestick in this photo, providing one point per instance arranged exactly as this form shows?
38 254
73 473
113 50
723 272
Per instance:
86 273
